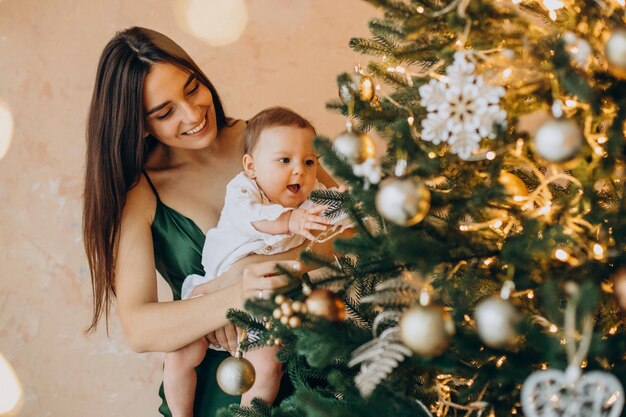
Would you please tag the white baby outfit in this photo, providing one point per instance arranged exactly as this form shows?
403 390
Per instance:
234 237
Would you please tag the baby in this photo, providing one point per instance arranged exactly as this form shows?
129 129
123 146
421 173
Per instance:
266 211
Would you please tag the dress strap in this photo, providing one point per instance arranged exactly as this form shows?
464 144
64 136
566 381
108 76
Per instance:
145 174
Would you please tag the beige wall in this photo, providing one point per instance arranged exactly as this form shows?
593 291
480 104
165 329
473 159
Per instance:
289 54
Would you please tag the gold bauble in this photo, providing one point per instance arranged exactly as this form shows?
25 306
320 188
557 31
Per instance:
295 321
426 329
615 51
403 201
359 85
513 185
235 375
619 288
355 147
324 303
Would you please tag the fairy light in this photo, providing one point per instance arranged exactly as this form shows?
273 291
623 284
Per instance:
613 330
12 393
571 103
530 295
507 72
583 364
602 139
518 198
459 43
463 228
432 155
410 120
400 69
378 87
391 69
561 255
553 329
420 10
544 366
488 261
500 361
598 251
563 342
497 224
545 210
491 155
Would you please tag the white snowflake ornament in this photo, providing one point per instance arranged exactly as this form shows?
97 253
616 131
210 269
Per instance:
462 108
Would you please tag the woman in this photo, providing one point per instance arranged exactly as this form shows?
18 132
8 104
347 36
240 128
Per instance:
160 152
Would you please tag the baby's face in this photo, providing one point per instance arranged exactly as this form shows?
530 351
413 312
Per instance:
285 164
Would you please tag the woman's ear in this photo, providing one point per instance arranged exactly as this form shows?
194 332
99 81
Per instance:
248 166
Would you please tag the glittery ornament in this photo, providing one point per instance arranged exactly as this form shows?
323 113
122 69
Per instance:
426 329
324 303
558 140
403 201
235 375
356 147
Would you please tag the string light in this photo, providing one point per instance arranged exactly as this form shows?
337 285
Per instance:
507 72
602 139
410 120
420 10
561 255
530 295
491 155
598 251
553 329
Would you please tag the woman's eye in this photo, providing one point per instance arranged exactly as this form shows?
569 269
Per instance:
284 160
309 162
194 89
164 115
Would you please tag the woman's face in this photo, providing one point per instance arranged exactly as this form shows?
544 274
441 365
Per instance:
178 108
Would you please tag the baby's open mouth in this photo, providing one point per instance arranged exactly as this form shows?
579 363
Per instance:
294 188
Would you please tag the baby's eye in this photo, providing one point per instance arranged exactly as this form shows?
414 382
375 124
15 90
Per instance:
310 162
284 160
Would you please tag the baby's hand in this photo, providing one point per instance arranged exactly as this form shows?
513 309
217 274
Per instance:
301 221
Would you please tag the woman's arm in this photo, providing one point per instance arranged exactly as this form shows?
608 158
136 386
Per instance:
150 325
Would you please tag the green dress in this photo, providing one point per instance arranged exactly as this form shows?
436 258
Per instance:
178 243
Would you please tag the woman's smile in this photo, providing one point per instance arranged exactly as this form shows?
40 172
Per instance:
198 129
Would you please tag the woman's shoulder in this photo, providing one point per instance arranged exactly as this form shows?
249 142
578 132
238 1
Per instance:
141 201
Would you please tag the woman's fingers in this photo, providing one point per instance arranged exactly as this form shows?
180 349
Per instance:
212 339
222 340
267 269
231 336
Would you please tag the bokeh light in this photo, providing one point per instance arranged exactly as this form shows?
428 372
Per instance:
6 128
216 22
10 389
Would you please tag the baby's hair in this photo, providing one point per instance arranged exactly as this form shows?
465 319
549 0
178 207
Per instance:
271 117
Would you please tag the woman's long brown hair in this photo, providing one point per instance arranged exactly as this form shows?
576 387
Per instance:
116 148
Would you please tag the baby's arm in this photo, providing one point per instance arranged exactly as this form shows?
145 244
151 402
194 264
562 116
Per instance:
298 221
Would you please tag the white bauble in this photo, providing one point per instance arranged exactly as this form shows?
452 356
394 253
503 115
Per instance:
496 321
403 201
355 147
578 49
558 140
426 329
615 49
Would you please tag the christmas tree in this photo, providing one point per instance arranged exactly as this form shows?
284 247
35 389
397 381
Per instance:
487 274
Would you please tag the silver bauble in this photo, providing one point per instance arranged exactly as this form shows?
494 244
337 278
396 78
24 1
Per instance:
235 375
403 201
578 49
355 147
558 140
426 329
496 321
615 50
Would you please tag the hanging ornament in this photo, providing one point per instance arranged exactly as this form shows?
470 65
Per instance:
553 393
619 288
325 303
615 50
513 186
578 49
425 328
354 146
369 170
288 310
462 108
359 85
403 201
235 375
497 319
558 140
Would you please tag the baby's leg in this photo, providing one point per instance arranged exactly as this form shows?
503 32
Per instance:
179 377
268 373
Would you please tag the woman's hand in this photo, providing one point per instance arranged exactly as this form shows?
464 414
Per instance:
261 279
226 337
